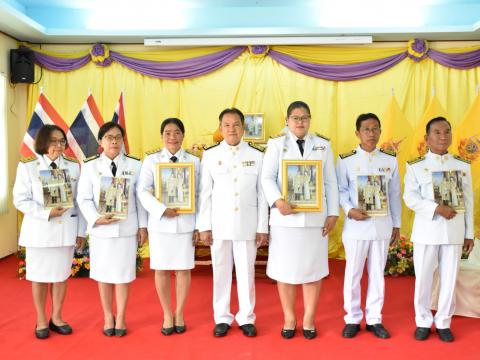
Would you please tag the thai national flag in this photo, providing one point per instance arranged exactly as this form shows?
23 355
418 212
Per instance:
43 114
84 130
119 118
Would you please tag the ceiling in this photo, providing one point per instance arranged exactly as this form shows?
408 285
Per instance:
127 21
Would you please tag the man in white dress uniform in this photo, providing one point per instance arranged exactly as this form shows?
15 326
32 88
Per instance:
364 236
233 219
439 232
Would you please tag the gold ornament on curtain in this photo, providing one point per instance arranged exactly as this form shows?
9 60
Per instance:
100 55
469 148
258 51
417 49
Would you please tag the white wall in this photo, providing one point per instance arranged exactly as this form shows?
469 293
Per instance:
16 126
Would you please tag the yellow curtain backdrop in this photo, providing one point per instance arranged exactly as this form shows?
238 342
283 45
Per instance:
256 84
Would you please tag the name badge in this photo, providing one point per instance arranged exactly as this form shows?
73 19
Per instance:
248 163
384 169
128 173
321 147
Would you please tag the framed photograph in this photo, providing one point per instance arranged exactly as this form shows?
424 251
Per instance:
175 186
302 184
372 194
448 189
254 128
114 196
57 188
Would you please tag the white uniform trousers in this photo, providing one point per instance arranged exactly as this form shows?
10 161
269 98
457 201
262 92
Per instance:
224 254
356 252
425 259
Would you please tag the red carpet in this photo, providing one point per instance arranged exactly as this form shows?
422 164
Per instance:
144 341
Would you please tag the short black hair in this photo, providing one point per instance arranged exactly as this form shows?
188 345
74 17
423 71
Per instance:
107 126
42 139
435 120
296 105
363 117
234 111
174 121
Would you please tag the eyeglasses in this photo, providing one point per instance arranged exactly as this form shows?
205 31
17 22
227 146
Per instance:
368 130
61 142
298 119
110 138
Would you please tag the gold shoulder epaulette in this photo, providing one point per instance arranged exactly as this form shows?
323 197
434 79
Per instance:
388 152
28 159
345 155
414 161
256 147
153 151
191 152
69 158
132 157
462 159
277 136
211 146
91 158
322 136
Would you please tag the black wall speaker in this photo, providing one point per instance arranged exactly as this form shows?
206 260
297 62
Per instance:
22 66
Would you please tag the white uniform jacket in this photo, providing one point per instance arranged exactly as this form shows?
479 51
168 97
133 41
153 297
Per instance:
232 204
37 230
146 193
359 162
430 229
89 192
286 148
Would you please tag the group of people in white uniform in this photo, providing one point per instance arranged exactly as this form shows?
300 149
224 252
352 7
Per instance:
241 207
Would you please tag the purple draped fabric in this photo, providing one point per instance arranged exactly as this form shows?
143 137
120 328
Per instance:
198 66
338 72
182 69
467 60
60 64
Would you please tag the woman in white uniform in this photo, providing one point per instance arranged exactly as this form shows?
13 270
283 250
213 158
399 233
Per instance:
49 235
298 251
113 242
172 235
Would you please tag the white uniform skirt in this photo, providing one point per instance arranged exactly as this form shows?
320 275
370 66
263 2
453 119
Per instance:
171 251
297 255
49 264
113 260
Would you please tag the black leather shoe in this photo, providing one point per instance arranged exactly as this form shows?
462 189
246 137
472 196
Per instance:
289 333
62 330
109 332
445 335
180 329
309 334
350 330
249 330
120 332
221 330
379 331
167 331
421 333
42 334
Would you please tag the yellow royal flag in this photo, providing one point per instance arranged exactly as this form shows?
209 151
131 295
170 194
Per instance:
418 146
466 143
396 133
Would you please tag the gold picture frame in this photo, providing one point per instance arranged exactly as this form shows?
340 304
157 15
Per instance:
254 129
175 186
302 184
